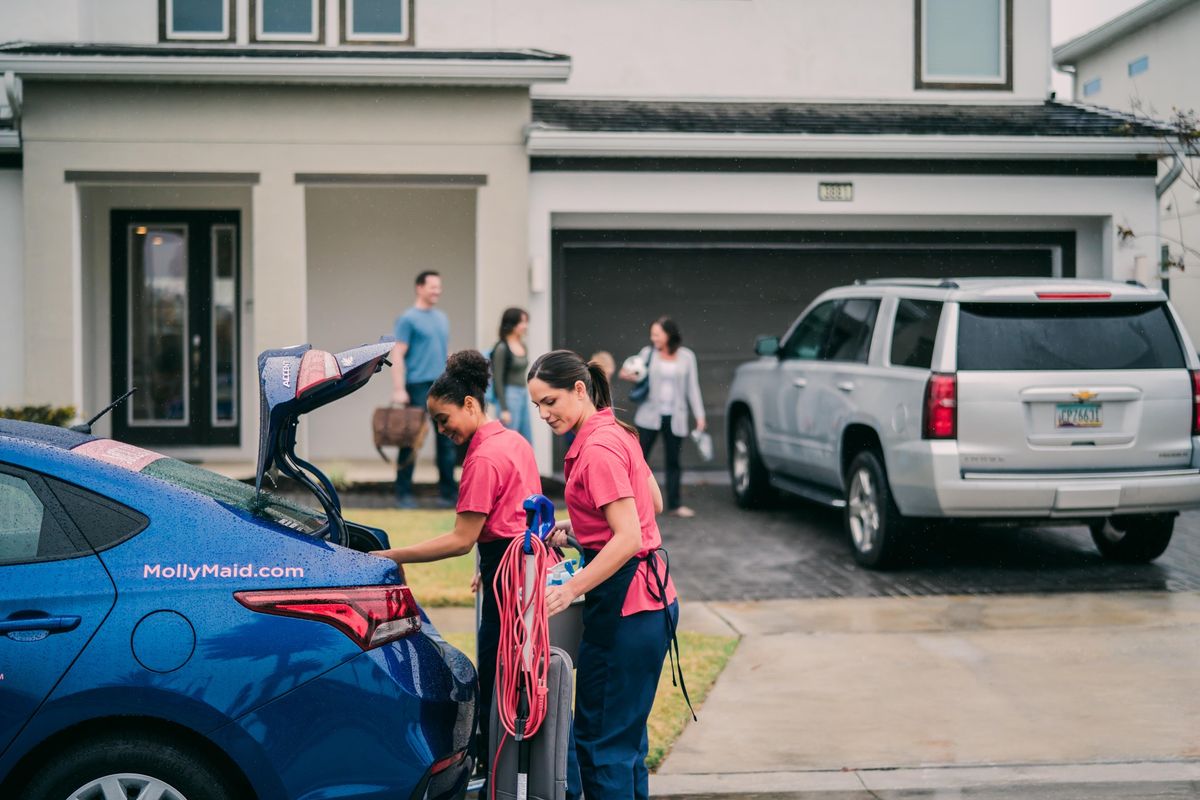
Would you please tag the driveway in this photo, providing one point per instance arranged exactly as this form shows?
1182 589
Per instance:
798 550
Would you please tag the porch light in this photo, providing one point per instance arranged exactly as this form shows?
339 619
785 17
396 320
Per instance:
140 230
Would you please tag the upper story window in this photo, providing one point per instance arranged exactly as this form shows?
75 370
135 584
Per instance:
287 20
205 20
377 21
1138 66
1091 87
964 44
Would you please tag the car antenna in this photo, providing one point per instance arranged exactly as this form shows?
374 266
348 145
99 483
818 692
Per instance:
86 427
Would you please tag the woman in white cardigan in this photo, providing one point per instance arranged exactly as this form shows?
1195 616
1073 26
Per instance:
674 386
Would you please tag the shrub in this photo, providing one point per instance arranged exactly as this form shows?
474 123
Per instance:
60 416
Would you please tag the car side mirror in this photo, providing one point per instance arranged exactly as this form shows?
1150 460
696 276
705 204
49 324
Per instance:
767 345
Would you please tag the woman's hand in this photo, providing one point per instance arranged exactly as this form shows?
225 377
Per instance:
701 424
558 598
388 555
626 375
506 418
476 580
559 533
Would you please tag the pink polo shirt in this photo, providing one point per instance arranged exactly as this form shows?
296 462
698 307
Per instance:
605 464
498 473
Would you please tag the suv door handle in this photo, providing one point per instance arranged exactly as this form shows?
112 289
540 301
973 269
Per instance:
42 623
846 386
799 383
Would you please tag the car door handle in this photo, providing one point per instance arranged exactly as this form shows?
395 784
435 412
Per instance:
799 383
846 386
59 624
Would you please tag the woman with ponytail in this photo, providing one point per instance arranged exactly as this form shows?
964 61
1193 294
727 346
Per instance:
630 610
498 474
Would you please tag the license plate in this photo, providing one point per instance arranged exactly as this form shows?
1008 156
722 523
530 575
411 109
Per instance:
1078 415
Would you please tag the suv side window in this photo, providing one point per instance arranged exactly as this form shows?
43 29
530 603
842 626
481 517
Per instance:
850 336
914 332
808 340
29 531
102 522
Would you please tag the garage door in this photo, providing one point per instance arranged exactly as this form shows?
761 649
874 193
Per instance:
726 289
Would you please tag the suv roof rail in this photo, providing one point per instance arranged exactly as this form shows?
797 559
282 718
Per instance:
1138 284
928 283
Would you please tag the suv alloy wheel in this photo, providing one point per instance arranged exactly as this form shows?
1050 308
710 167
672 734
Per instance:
748 475
872 519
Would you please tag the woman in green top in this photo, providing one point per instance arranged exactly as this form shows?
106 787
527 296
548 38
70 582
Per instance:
510 359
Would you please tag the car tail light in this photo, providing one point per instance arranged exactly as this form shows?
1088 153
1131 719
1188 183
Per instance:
941 408
370 615
317 367
1074 295
1195 403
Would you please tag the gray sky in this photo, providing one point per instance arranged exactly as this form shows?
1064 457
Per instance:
1070 18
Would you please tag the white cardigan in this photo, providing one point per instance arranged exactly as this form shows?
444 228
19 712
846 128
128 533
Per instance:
687 392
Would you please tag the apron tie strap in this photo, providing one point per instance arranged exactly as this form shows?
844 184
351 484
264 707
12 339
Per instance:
660 582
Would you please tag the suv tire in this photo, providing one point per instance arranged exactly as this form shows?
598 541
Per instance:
133 761
748 475
1133 539
872 521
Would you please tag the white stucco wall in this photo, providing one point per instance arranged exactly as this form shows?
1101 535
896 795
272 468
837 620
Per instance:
12 277
1169 83
654 48
365 248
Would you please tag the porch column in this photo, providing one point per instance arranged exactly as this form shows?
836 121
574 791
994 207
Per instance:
279 282
52 291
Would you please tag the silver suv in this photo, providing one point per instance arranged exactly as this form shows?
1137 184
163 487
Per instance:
1016 400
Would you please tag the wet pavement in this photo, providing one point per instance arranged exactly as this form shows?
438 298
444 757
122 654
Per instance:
798 550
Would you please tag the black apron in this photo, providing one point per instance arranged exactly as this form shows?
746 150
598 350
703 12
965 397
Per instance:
602 607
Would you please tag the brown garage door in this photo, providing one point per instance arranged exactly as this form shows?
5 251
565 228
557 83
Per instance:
724 289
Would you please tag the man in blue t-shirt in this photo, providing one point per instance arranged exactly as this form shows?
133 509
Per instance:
419 357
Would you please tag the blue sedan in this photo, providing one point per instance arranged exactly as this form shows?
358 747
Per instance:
168 633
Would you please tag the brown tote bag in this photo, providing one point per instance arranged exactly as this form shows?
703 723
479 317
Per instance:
399 426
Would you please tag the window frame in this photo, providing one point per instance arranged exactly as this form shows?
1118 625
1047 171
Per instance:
317 36
1002 84
1095 84
1139 66
52 508
346 34
166 34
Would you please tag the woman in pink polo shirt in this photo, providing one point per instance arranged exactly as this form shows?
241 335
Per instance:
630 610
498 474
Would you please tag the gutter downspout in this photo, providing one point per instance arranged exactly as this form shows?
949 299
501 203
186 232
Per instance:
12 90
1163 186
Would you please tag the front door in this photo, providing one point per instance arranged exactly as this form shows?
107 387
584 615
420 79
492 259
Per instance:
176 333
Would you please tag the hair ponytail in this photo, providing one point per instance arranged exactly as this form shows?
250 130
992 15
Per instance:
561 369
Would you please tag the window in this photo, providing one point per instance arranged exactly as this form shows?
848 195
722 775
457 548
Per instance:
210 20
850 334
28 530
964 44
1139 66
288 20
102 522
808 339
1091 87
1063 336
377 21
914 332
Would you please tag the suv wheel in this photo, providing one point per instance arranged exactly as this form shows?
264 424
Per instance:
1133 538
872 519
129 765
747 473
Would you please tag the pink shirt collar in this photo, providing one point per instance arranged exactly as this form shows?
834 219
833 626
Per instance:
601 418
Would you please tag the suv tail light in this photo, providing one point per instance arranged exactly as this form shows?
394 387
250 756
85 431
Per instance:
370 615
1195 403
941 408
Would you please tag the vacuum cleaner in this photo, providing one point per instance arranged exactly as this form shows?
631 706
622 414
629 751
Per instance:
531 707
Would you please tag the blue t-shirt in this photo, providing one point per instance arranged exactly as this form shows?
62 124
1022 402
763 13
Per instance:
427 334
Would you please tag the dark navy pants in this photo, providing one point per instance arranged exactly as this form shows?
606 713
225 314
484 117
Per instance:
613 697
446 457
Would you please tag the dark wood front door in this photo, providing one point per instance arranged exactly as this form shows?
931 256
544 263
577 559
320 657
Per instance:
176 334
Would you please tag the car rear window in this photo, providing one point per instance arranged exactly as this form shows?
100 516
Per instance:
1067 336
236 494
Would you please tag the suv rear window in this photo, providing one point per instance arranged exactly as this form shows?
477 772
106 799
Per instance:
1067 336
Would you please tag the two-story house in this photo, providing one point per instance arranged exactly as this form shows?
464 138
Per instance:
1146 61
201 179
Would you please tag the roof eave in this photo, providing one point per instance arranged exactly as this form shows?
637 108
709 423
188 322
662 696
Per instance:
542 141
1098 38
410 72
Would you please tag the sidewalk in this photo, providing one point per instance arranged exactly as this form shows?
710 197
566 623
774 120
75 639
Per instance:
839 698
